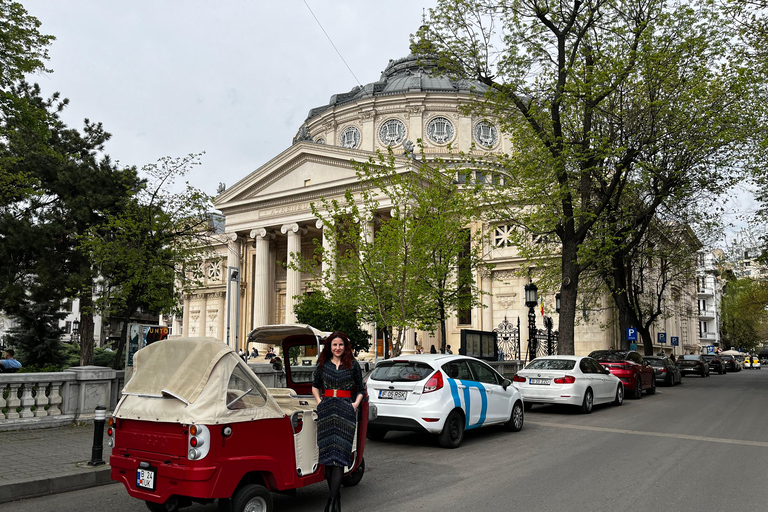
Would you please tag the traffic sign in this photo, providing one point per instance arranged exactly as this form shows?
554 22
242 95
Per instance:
675 341
662 338
631 334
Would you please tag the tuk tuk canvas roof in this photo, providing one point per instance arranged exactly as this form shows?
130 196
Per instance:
275 334
185 380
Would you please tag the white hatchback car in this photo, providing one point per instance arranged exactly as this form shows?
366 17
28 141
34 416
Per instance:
573 380
441 394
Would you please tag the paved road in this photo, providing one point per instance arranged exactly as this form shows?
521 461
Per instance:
701 446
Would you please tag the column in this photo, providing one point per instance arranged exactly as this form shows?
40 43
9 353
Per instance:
367 235
261 277
293 276
486 286
233 290
328 267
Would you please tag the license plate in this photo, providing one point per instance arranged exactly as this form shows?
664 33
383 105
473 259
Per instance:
392 395
542 382
145 479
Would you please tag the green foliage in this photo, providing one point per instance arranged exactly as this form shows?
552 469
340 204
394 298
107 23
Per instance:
23 49
743 315
37 334
330 314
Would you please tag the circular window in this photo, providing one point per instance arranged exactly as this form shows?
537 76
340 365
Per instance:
486 134
440 130
392 132
320 141
350 138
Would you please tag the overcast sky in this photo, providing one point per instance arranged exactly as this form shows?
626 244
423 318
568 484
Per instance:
233 78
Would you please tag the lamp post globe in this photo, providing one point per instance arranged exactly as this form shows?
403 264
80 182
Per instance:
531 301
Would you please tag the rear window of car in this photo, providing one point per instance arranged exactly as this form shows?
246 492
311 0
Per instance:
402 371
606 355
551 364
709 357
690 357
658 363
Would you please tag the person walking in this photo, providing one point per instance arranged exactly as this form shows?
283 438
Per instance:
9 364
336 374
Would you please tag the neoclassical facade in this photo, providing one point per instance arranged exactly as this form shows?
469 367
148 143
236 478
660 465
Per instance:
269 212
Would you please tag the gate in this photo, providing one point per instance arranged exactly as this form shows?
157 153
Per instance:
508 340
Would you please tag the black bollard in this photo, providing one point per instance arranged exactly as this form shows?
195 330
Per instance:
98 436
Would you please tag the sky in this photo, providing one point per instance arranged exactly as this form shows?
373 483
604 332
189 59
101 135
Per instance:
234 78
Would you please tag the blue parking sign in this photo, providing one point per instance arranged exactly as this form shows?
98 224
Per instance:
631 334
662 338
675 341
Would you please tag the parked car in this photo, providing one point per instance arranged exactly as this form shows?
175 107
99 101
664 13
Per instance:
185 427
571 380
731 364
628 365
666 372
693 363
441 394
715 363
755 362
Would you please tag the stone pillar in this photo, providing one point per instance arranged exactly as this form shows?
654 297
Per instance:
329 257
232 276
261 277
486 286
293 277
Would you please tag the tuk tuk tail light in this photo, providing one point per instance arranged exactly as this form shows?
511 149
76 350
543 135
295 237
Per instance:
198 442
111 433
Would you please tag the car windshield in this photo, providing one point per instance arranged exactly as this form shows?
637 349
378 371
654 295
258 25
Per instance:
608 355
727 358
402 371
551 364
690 357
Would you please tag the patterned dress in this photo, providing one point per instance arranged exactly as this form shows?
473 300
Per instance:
336 418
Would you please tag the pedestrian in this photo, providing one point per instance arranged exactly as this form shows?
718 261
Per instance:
270 354
432 350
336 374
254 352
9 364
242 355
448 350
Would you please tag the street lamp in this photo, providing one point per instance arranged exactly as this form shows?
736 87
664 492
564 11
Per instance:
531 300
233 277
557 302
75 337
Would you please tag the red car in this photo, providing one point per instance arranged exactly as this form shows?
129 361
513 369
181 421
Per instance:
630 367
195 425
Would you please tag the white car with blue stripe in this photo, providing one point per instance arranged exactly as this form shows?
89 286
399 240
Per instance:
441 394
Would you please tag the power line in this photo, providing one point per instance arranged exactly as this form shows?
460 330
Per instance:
334 46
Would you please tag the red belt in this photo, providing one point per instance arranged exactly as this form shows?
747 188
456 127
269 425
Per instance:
344 393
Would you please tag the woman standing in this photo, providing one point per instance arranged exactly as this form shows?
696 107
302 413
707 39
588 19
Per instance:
336 374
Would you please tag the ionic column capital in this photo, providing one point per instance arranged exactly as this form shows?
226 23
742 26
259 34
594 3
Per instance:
293 228
262 233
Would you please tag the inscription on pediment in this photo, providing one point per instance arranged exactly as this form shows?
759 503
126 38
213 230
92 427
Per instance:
285 210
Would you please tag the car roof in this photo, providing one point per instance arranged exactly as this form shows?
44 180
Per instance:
564 356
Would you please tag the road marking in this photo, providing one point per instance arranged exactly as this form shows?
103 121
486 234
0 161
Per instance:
651 434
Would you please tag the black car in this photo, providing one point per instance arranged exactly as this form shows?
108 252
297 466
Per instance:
731 364
665 370
715 363
692 363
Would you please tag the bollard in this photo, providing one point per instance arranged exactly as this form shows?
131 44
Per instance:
99 418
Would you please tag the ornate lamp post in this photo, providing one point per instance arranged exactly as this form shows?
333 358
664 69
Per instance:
75 336
531 300
557 302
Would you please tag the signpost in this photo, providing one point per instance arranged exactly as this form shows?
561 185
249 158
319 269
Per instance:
632 336
662 338
675 341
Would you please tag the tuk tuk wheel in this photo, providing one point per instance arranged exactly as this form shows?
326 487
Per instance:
354 478
252 498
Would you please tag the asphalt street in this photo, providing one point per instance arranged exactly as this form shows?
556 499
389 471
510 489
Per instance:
700 446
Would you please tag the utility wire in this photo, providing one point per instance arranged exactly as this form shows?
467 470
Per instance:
334 46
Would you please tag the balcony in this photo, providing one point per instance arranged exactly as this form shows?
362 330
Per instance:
709 313
706 291
708 336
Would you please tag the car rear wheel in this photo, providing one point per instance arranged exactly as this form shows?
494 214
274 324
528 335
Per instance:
638 388
516 418
589 401
252 498
453 431
619 399
652 391
354 478
376 434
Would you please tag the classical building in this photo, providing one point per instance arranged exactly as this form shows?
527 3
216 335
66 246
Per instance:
269 212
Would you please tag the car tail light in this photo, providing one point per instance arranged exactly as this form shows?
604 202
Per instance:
434 383
198 442
518 378
662 370
568 379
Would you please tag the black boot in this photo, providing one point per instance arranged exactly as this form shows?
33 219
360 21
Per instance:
328 505
336 506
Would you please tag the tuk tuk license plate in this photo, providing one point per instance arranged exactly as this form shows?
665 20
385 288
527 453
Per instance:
544 382
145 478
392 395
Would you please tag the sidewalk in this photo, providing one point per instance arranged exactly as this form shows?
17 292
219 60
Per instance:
48 461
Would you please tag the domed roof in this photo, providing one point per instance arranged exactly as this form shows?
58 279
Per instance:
409 74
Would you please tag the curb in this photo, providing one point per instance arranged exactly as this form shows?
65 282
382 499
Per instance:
24 489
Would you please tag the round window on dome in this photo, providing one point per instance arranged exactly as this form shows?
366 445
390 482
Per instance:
486 135
440 130
350 138
319 140
392 132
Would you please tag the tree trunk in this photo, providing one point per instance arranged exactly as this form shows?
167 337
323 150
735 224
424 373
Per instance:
647 340
568 296
118 363
86 328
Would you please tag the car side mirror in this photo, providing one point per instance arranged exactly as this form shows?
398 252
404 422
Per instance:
506 383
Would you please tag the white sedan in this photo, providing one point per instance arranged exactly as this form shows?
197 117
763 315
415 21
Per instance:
573 380
441 394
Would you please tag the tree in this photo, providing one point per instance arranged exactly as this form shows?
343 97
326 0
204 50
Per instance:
23 49
143 253
604 102
328 313
408 269
744 317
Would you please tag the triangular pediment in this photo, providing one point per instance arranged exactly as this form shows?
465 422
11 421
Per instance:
303 169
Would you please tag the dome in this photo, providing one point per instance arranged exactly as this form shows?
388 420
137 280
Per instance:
406 75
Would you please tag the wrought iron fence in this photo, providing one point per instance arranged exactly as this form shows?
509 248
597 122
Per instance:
508 340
